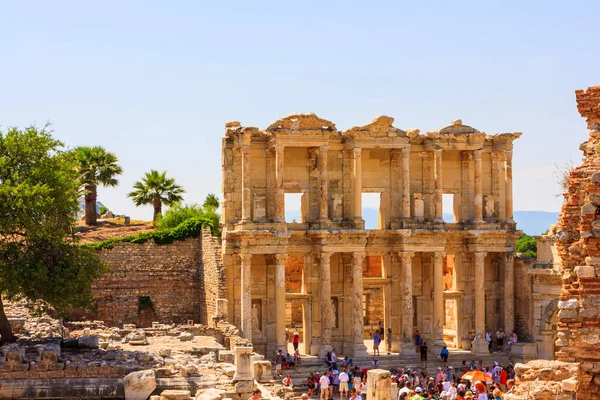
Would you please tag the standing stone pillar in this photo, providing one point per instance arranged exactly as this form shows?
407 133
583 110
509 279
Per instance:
359 348
407 346
245 182
323 177
478 187
379 384
509 292
406 182
480 344
326 315
279 191
437 172
243 377
395 184
246 296
357 184
280 302
509 187
438 300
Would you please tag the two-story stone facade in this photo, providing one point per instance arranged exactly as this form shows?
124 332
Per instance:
444 278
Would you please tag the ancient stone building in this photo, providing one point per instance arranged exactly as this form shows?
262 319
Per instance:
578 234
330 273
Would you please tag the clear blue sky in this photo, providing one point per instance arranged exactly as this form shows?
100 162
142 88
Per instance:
155 82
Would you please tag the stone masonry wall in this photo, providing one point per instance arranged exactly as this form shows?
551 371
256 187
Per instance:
578 236
182 281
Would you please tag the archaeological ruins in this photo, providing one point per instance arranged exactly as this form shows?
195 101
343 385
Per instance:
331 279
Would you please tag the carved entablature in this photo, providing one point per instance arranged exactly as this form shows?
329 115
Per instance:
304 124
380 127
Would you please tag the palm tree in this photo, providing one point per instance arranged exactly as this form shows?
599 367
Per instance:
156 189
96 167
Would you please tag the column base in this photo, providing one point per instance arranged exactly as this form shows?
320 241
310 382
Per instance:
323 349
479 346
358 350
408 349
436 346
396 345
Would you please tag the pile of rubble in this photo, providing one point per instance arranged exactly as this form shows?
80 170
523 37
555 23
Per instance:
545 380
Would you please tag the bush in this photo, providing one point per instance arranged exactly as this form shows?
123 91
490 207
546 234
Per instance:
527 245
190 228
178 214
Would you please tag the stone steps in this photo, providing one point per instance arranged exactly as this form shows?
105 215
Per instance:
301 372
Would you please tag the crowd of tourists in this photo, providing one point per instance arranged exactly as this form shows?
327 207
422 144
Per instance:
350 382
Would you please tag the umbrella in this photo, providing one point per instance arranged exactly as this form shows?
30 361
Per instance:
477 376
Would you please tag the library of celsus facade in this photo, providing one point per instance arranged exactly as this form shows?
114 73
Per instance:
325 275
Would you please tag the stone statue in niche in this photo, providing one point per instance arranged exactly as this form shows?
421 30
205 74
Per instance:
336 203
419 207
256 316
489 206
260 206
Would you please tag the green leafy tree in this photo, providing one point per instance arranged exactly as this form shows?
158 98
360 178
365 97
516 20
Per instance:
96 167
156 189
103 210
39 258
179 213
527 245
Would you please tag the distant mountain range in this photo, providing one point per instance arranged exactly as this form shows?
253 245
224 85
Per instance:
530 222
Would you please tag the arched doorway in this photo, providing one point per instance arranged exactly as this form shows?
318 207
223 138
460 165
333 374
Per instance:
548 331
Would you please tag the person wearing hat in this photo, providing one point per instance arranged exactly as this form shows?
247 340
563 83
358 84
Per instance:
418 394
296 341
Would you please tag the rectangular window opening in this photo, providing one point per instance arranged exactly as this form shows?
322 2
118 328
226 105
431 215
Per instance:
293 207
448 208
372 211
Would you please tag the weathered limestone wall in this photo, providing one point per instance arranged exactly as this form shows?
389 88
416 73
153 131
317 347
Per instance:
578 236
182 280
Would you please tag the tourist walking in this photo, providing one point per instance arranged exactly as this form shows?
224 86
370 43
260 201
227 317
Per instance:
423 351
296 341
376 342
343 378
324 384
488 338
388 340
279 360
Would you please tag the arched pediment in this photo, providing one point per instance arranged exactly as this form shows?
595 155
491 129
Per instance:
302 122
380 127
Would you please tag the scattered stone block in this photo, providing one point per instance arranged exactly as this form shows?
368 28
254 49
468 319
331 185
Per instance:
209 394
139 385
88 342
262 371
379 384
175 395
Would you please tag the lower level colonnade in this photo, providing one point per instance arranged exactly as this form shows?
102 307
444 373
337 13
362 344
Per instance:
336 299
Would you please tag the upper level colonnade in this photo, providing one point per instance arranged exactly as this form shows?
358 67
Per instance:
331 169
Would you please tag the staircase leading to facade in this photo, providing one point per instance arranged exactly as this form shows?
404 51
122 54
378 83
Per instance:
310 365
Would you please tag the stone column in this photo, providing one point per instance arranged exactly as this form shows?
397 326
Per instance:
246 296
245 182
407 346
379 384
326 317
437 171
406 182
509 292
280 302
323 177
438 300
279 191
395 184
509 188
479 344
357 306
478 187
357 184
243 376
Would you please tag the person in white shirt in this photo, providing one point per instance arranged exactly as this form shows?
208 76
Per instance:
406 388
343 378
488 338
354 395
324 384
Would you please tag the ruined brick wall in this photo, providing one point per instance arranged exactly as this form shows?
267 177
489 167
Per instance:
578 236
214 284
182 281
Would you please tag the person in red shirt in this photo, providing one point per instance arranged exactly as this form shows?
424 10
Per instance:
296 341
503 378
